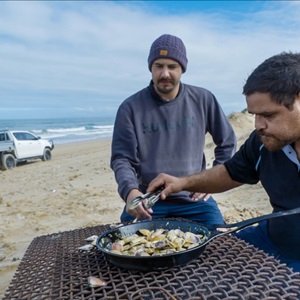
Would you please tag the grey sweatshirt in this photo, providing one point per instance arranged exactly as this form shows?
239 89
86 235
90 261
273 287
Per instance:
153 136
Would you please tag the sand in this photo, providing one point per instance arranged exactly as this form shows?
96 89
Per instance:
77 189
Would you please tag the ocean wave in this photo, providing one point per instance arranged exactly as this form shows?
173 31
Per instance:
75 134
75 129
65 130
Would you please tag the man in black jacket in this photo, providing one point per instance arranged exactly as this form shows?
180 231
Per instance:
271 155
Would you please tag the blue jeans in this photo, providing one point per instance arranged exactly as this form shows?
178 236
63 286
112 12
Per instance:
204 212
258 236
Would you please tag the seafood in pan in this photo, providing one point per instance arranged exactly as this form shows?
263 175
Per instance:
156 242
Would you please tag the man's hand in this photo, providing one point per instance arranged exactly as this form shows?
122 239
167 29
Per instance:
140 212
171 185
200 196
214 180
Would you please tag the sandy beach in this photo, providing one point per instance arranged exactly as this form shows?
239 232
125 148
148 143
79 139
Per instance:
77 189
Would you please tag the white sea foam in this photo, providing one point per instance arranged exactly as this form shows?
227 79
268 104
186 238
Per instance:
63 131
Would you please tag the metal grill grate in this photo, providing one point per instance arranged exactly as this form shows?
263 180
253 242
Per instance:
53 268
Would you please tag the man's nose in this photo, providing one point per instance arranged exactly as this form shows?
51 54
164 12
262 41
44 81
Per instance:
260 122
165 73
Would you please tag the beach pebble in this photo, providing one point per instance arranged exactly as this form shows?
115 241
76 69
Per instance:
2 257
20 217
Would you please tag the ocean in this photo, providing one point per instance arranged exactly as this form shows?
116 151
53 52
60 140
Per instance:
64 130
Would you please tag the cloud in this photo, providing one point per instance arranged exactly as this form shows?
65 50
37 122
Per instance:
59 56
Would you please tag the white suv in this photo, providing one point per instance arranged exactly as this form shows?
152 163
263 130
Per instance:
19 146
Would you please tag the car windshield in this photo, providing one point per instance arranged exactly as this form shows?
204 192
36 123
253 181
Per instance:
24 136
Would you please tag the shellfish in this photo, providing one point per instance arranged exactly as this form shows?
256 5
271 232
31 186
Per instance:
156 242
95 281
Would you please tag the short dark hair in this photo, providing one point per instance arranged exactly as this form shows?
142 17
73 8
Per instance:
279 76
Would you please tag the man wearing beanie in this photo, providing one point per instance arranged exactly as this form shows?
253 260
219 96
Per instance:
161 129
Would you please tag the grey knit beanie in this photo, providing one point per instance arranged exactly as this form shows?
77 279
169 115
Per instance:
168 46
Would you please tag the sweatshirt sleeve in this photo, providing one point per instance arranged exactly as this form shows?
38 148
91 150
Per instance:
222 133
124 158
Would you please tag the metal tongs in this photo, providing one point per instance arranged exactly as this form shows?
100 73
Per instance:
152 198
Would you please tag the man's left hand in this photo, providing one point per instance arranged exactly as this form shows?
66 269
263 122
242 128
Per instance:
200 196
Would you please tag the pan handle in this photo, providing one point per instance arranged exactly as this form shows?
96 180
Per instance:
239 225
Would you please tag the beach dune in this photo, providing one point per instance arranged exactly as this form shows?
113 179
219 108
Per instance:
77 189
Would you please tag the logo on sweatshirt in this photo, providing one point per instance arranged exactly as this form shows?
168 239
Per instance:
166 125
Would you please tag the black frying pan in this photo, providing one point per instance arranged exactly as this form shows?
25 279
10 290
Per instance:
148 263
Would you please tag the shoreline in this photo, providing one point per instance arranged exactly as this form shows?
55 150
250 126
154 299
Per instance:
77 189
66 142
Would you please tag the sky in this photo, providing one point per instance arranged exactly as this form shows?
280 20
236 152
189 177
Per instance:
62 59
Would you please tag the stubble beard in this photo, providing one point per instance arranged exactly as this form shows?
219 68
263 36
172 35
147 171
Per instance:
273 144
165 90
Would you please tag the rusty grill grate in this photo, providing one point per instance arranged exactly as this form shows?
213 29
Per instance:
53 268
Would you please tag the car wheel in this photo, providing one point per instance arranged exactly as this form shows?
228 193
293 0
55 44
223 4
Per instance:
8 162
47 154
